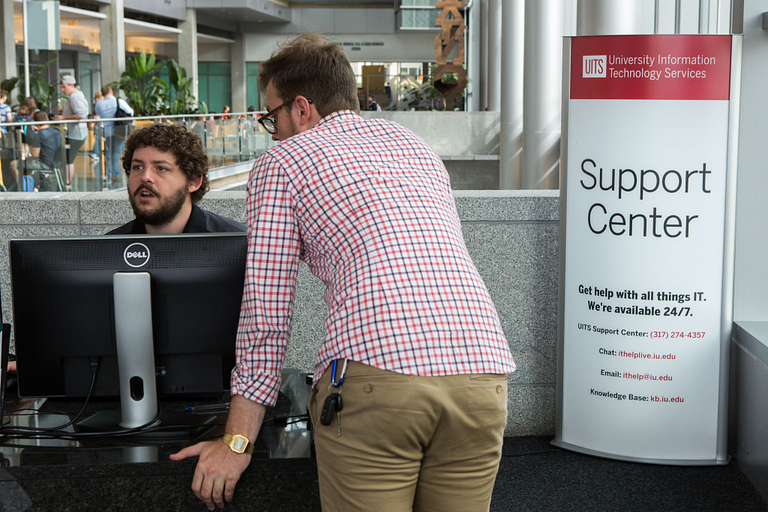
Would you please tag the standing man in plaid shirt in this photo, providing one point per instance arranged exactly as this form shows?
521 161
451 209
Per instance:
413 340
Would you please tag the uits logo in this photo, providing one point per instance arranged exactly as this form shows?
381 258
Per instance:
136 255
594 66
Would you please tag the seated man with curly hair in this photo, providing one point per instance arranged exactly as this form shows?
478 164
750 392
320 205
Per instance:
167 171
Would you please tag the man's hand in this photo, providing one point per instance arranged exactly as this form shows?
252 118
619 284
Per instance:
219 468
217 473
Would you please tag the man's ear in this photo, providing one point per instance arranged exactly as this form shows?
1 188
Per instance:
194 184
305 112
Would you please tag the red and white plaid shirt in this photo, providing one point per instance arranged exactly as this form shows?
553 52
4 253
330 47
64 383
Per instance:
368 206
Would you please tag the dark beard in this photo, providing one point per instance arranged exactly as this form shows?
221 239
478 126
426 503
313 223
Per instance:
166 211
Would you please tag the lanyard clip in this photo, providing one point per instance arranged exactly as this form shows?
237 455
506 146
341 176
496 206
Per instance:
338 383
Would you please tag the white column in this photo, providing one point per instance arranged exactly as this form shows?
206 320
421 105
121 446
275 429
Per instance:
513 52
188 48
112 36
494 55
239 75
751 244
542 94
609 17
473 57
8 67
483 86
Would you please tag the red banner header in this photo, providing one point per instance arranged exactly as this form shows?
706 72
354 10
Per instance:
651 67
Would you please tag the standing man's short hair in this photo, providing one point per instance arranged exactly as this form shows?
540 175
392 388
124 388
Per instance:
185 145
313 67
105 90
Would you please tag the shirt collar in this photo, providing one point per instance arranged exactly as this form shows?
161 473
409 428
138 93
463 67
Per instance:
340 116
196 222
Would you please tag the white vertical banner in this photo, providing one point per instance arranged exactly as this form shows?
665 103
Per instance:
43 25
642 273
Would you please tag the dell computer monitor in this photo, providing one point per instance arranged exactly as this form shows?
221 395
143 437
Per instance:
132 309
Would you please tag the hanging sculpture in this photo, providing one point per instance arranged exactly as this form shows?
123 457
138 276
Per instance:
451 34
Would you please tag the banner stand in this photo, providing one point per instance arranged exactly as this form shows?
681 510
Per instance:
647 224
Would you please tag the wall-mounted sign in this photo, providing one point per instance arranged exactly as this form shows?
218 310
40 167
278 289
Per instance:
644 209
43 25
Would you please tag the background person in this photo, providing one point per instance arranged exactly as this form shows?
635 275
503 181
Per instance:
75 108
45 147
46 142
6 114
373 105
369 207
24 115
26 109
114 139
98 134
167 171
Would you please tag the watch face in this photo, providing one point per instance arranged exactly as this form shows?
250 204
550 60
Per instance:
239 444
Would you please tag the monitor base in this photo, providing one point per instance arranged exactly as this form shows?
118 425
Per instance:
169 424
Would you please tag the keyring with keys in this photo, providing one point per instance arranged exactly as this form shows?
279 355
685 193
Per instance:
333 403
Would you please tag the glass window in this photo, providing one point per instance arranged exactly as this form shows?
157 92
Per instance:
90 74
252 85
418 17
220 68
417 3
215 84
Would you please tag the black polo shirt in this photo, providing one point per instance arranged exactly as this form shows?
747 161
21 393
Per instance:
200 221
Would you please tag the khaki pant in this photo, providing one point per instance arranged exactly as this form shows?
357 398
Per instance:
410 443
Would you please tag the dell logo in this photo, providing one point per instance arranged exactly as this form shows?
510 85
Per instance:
136 255
594 66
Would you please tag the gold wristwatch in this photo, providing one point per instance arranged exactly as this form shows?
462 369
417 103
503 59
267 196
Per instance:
238 443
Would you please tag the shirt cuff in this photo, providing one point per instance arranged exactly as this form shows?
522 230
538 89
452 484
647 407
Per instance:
259 387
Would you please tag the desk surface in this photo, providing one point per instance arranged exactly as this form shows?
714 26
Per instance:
132 473
533 475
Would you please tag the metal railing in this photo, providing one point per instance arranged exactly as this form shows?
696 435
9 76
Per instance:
228 139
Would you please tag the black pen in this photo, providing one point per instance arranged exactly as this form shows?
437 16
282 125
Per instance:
208 408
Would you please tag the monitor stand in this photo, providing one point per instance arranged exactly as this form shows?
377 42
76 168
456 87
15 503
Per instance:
136 366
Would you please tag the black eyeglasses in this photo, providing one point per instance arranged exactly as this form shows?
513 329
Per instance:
269 120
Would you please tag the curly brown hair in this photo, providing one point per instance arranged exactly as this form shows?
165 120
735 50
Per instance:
185 145
314 67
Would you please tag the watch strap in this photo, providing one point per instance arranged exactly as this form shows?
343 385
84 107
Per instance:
238 443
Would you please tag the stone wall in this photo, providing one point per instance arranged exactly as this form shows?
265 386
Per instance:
511 235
